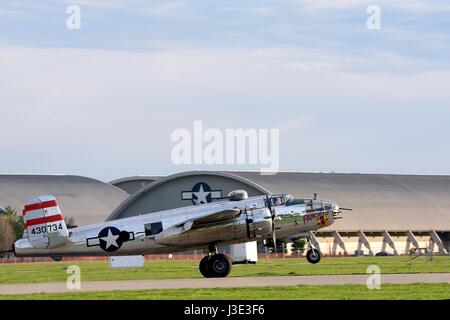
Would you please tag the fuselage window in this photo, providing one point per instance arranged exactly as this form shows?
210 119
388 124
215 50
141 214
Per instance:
153 228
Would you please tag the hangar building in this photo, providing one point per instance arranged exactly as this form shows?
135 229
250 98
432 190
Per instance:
84 199
391 213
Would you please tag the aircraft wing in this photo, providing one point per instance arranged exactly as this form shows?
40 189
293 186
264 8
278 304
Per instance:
180 234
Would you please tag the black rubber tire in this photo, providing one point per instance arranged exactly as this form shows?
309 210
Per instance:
204 267
219 266
56 258
313 256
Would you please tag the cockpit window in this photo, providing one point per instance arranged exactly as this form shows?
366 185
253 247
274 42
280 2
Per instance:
293 202
278 201
289 198
309 205
317 205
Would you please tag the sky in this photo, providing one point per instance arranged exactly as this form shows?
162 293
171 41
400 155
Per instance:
103 100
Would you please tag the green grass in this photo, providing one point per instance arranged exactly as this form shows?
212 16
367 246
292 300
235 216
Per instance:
176 269
360 292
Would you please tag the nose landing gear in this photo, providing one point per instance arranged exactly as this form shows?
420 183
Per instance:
312 255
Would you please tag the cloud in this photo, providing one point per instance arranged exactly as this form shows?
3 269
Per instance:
329 4
411 5
99 4
325 25
11 12
110 113
165 8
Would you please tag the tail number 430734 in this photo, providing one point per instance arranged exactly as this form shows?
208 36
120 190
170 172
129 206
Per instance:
47 228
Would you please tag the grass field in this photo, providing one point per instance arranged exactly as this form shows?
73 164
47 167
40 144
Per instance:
176 269
360 292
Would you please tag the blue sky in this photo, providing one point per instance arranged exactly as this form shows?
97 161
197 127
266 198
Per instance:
102 101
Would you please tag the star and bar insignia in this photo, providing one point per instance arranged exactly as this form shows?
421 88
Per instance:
110 239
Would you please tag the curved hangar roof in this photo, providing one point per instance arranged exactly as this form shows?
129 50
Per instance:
380 201
86 200
133 184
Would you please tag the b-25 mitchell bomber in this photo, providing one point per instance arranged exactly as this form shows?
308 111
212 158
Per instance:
234 219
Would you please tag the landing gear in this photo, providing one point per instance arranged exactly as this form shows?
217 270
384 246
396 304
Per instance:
56 258
204 266
215 265
313 256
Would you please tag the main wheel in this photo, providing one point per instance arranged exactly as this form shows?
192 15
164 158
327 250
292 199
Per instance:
204 266
56 258
215 266
313 256
219 266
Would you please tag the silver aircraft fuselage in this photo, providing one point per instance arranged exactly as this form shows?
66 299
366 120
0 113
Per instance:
169 231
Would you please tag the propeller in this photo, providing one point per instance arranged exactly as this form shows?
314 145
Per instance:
272 211
274 237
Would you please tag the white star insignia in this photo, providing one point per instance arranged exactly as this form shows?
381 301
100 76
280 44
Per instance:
201 195
110 239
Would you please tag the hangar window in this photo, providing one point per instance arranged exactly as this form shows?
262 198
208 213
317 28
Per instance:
153 228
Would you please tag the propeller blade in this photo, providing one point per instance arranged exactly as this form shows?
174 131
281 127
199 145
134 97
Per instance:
274 238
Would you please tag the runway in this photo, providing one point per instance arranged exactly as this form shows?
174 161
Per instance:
231 282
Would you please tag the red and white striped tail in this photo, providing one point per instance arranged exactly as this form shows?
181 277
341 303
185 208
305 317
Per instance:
44 222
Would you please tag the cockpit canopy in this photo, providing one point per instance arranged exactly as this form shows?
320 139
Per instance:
278 200
310 204
282 200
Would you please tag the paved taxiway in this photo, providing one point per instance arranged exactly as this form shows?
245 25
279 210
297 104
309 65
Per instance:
224 282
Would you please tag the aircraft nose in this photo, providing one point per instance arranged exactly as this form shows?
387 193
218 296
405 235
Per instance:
334 207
